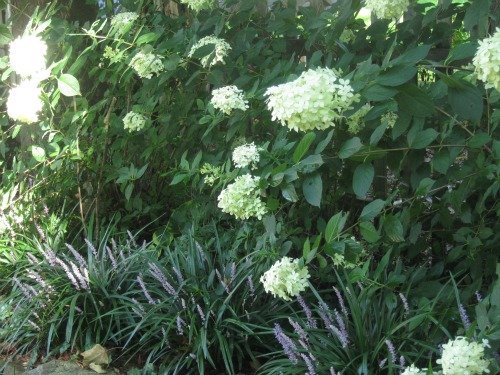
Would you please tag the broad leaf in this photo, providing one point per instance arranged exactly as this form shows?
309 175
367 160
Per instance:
422 139
303 147
413 100
369 232
68 85
372 209
393 228
313 189
335 226
350 147
397 75
362 179
38 153
466 102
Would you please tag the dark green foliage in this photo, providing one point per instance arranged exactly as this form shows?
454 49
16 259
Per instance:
207 313
405 201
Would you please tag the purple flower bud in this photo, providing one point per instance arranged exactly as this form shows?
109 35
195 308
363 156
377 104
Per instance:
479 298
325 314
180 324
392 350
464 316
151 301
114 264
286 343
91 247
32 259
83 282
342 328
28 291
200 312
161 278
36 276
178 274
78 257
40 232
138 309
311 322
341 302
310 366
402 361
49 256
251 286
405 303
70 276
299 331
221 280
233 272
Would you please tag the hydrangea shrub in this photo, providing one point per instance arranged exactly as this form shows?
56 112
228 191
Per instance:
374 133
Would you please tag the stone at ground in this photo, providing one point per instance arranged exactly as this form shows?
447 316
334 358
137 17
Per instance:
11 369
59 368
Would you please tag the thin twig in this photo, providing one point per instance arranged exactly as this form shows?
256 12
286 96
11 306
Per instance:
80 203
101 167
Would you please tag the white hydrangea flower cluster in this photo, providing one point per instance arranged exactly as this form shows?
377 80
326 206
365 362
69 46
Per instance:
221 49
487 60
134 122
285 279
315 100
242 198
198 5
24 102
355 122
463 357
228 98
388 9
122 21
27 55
246 155
146 64
412 370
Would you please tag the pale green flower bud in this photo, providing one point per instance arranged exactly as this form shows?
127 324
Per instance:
122 22
463 357
198 5
24 102
246 155
228 98
390 119
285 279
221 49
27 55
242 198
412 370
146 64
487 61
134 122
315 100
355 122
388 9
